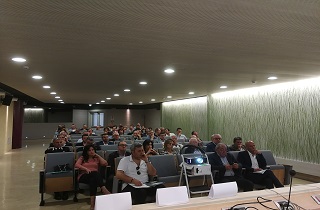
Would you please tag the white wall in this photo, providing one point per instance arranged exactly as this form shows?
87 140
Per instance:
6 124
40 130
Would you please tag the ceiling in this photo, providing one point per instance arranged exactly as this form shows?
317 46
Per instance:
90 50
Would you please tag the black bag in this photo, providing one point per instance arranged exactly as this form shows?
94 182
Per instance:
62 168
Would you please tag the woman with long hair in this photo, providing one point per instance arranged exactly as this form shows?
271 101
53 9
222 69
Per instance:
88 165
168 147
148 148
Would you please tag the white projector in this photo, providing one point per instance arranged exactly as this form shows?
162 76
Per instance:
201 169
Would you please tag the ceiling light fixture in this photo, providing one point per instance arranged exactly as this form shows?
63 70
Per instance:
103 101
126 90
46 86
130 103
57 97
37 77
108 98
60 100
153 99
223 87
169 71
19 60
169 96
116 94
191 93
143 83
53 93
272 78
97 103
90 104
140 102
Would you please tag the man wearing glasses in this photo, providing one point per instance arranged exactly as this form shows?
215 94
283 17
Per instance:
216 139
134 171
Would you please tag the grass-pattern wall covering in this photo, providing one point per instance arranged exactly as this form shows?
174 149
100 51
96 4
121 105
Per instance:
282 118
189 114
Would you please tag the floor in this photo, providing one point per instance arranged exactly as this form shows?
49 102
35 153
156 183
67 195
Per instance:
19 180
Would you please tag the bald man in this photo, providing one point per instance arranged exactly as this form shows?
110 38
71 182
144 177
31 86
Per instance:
256 167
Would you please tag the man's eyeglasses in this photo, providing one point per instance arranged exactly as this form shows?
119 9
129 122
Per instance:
138 168
123 145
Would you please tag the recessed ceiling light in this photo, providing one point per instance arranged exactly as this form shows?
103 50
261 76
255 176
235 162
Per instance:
191 93
60 100
103 101
46 86
20 60
90 104
97 103
153 99
130 103
169 71
126 90
140 102
272 78
143 83
116 94
57 97
53 93
108 98
169 96
223 87
37 77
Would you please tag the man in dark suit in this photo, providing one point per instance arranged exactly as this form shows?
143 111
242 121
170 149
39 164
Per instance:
215 139
105 139
229 169
256 167
57 146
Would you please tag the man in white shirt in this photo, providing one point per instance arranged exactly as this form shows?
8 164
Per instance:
134 171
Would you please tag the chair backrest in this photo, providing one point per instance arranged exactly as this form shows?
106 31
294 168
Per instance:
165 165
205 143
234 153
109 147
60 158
267 154
108 152
116 163
157 146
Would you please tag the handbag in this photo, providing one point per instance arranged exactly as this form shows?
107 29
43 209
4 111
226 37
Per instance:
62 168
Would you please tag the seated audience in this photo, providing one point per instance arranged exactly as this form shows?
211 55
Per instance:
148 148
167 132
121 152
215 139
88 165
136 135
84 137
151 136
115 137
84 128
194 150
135 170
73 130
89 141
161 138
255 164
237 145
168 147
229 169
105 139
176 144
58 147
181 136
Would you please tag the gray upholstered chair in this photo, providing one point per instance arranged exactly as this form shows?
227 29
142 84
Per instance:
52 180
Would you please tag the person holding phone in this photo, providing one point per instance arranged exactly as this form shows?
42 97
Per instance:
88 165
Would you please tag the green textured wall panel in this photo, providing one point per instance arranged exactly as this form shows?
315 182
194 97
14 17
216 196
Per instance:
189 114
282 118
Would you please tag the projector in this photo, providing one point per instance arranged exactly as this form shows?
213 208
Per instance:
201 169
195 160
